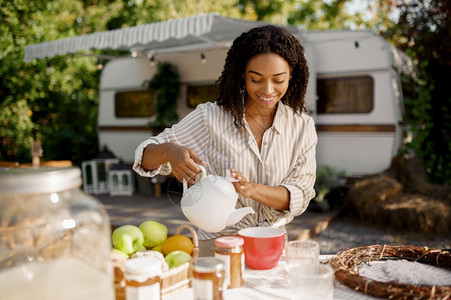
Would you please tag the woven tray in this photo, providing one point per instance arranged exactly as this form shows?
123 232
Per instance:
171 280
347 263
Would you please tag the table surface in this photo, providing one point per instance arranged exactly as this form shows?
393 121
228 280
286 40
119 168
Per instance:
268 284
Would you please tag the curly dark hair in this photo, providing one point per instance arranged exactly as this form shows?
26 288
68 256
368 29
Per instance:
261 40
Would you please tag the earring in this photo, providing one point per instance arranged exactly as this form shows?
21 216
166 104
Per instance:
243 93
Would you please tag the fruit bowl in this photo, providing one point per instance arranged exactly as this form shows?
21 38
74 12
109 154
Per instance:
171 279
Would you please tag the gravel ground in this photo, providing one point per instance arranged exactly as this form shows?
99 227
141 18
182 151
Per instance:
347 231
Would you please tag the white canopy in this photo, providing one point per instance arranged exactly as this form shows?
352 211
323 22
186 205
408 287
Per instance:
195 32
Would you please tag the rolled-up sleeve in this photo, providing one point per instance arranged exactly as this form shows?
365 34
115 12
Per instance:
164 169
301 180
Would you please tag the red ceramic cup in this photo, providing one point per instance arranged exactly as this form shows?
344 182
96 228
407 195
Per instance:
263 246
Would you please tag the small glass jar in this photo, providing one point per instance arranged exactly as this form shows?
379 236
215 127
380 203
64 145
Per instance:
229 249
142 278
208 279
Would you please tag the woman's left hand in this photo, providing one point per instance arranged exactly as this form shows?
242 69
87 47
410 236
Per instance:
242 186
277 197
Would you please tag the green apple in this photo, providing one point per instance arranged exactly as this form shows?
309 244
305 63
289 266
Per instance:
141 248
119 254
128 239
157 248
154 233
177 258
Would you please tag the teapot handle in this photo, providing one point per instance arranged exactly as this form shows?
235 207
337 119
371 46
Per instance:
204 173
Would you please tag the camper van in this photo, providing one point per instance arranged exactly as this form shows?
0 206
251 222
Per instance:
354 96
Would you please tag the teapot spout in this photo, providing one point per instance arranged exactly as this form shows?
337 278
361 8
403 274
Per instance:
238 214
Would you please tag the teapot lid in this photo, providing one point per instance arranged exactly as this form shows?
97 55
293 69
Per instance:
39 180
224 185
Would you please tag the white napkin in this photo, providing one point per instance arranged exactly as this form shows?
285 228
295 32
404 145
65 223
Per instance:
407 272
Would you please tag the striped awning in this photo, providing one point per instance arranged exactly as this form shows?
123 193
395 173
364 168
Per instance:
167 36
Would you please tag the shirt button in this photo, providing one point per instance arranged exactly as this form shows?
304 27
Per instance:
265 143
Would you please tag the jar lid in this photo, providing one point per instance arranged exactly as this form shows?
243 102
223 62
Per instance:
229 241
39 180
142 268
208 264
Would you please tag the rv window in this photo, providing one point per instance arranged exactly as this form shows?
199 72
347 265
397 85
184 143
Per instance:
198 94
346 95
137 104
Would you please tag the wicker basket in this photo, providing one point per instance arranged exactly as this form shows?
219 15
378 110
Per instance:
171 280
346 265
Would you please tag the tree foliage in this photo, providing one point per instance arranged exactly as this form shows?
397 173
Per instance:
423 31
53 100
165 86
323 14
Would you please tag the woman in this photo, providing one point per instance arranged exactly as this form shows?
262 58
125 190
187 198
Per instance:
257 128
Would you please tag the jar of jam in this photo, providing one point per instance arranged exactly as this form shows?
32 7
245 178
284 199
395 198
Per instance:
142 278
229 249
208 279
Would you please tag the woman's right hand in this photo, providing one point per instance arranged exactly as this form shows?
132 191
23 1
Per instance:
184 163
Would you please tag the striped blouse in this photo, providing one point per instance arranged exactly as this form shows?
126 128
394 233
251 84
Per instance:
287 158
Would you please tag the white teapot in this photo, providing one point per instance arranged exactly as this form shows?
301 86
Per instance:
210 203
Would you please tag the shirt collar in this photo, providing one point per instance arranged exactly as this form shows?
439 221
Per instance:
280 117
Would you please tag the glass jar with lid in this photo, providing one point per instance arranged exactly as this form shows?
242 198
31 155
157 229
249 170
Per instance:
208 278
229 249
55 241
142 278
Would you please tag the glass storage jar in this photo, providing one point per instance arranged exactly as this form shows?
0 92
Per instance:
229 249
55 241
208 279
142 278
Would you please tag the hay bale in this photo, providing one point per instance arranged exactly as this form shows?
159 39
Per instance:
410 172
417 213
367 194
383 200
